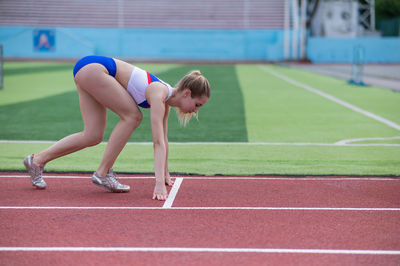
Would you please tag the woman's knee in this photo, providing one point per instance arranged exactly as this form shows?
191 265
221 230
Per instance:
134 118
93 138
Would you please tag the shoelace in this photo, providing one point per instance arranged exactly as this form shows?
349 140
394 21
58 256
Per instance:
114 181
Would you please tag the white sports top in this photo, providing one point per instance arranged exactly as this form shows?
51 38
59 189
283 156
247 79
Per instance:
138 83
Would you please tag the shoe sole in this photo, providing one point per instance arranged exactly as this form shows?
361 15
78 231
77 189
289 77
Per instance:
37 187
109 189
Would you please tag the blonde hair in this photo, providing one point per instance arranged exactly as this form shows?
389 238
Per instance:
198 86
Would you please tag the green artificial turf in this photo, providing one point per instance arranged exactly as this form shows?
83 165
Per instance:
280 112
57 114
248 104
225 159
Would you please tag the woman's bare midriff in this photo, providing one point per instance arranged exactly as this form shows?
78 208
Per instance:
124 71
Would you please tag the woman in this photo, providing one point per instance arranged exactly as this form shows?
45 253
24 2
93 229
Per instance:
104 82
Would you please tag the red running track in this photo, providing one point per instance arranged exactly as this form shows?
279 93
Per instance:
281 233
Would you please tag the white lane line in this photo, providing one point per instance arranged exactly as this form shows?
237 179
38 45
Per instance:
74 177
302 178
193 249
172 194
288 208
347 141
194 208
332 98
76 208
229 143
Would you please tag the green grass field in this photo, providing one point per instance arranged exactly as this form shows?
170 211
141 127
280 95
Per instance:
255 123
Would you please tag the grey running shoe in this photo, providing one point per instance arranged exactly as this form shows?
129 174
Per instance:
35 172
109 182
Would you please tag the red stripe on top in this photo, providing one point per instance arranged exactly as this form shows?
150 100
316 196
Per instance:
149 78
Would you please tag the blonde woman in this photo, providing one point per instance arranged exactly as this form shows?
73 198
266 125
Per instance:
104 82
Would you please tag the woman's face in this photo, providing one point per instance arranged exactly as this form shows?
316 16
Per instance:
191 105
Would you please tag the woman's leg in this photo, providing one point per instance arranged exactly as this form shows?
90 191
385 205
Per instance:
94 116
98 91
106 90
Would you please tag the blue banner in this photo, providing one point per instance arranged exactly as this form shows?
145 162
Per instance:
44 40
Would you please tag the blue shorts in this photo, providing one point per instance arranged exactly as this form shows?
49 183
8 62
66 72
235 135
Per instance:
107 62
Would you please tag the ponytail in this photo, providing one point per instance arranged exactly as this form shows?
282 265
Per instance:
196 83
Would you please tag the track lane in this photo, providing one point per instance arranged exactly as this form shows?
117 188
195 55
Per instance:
191 259
325 193
207 228
232 228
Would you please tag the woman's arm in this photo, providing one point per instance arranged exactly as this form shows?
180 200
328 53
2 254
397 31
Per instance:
156 94
168 180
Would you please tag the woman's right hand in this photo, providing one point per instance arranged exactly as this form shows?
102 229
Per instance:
160 191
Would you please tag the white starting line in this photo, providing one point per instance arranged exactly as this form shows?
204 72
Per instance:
172 194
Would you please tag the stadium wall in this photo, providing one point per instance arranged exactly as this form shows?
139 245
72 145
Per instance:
186 44
145 44
340 50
